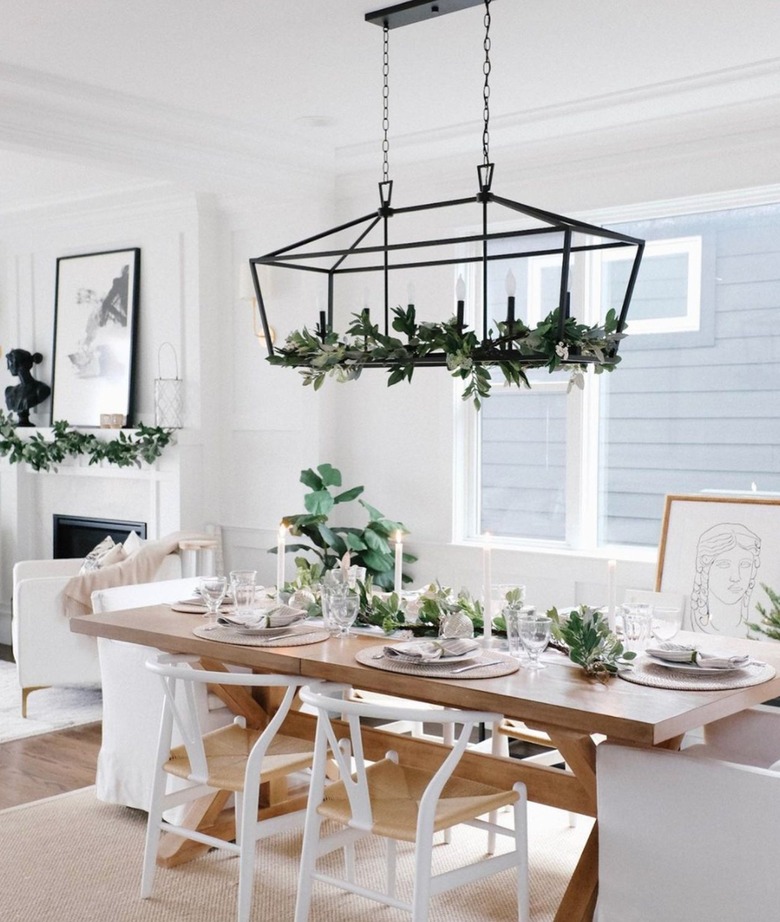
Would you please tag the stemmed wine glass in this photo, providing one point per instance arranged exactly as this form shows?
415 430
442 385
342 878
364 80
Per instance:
212 591
666 622
534 636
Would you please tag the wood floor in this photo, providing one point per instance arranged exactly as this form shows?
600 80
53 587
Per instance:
52 763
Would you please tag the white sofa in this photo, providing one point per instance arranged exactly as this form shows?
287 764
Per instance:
46 651
133 697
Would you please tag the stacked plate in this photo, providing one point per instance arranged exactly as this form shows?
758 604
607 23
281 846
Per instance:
271 623
690 660
433 652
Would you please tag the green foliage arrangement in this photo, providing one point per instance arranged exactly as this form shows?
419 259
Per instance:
368 547
436 601
590 643
513 349
43 454
770 617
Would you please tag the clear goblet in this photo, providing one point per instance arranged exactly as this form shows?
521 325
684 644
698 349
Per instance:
212 591
343 612
534 635
665 622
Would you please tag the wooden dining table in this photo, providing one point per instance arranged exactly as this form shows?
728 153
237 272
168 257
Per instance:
559 700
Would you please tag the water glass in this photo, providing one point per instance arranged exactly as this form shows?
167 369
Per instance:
334 585
666 622
637 621
535 633
212 591
513 615
343 611
242 584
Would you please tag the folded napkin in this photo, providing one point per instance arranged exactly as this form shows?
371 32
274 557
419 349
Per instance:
683 653
280 616
736 661
425 651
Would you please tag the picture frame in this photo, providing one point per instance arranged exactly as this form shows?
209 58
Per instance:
718 550
95 323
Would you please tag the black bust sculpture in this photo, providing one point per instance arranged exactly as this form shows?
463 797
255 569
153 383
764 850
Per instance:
22 397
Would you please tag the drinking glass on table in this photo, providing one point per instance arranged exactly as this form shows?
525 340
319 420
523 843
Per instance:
534 635
334 585
665 622
212 591
637 620
343 611
242 584
513 615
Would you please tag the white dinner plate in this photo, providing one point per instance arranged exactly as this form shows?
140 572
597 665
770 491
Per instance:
259 631
442 660
693 668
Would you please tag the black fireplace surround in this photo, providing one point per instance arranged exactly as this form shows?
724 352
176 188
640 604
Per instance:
75 536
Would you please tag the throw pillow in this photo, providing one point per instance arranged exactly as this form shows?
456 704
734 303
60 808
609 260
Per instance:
102 555
133 544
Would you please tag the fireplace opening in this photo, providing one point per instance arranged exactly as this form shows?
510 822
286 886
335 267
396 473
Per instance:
75 536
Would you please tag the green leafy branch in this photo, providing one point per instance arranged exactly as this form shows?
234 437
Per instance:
513 349
770 617
42 454
590 643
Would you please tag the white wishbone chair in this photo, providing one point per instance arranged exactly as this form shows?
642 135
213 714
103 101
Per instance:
232 758
397 802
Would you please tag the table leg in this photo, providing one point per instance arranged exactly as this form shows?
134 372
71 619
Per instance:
579 900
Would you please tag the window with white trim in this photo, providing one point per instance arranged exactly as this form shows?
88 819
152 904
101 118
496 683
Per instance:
691 407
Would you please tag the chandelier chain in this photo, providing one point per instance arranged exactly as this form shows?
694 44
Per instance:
386 104
486 67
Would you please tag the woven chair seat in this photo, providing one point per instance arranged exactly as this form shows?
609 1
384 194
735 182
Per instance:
227 750
395 793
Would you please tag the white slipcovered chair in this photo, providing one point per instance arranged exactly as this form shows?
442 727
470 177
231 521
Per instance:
692 835
133 698
46 651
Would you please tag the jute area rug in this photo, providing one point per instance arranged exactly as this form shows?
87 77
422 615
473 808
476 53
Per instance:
71 857
48 709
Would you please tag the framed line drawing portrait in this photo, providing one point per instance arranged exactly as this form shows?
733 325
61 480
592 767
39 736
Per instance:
718 550
95 320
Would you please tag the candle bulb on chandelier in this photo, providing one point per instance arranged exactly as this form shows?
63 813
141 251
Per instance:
511 288
460 297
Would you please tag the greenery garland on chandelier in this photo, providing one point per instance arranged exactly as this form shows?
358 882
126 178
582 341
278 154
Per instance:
515 349
42 454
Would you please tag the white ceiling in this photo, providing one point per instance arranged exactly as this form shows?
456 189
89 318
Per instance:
100 95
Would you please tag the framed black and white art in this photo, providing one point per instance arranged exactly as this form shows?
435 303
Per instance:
95 320
718 551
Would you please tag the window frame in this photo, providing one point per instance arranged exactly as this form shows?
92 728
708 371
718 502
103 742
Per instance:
583 408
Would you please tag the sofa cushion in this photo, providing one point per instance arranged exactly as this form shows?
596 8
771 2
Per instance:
103 555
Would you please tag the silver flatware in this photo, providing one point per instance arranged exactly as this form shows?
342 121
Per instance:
494 662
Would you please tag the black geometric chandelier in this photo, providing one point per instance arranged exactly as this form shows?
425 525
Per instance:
395 256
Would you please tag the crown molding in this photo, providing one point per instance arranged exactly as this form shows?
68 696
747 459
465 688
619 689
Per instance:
50 116
724 97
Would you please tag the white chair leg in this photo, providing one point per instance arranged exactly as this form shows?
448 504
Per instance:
421 895
499 747
153 834
391 854
246 838
311 838
520 811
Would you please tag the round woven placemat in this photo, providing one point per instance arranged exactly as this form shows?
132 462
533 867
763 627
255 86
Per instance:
647 673
294 639
368 657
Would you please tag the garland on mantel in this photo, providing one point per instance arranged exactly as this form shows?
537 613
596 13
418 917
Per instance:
42 454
